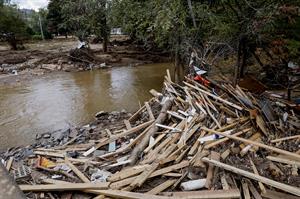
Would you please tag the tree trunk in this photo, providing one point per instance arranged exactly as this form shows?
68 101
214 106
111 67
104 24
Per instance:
238 64
192 13
12 41
244 58
104 28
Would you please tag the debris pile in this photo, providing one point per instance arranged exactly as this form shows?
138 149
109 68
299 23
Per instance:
190 141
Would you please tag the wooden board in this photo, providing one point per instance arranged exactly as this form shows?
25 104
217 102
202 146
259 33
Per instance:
216 194
278 185
65 187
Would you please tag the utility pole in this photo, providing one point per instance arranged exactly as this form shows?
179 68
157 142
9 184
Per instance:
41 27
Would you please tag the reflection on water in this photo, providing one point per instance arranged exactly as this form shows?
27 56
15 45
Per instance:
63 99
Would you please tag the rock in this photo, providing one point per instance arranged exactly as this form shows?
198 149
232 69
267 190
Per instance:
50 67
101 113
46 136
100 176
115 113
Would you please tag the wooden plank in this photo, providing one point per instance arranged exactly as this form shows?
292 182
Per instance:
210 171
215 97
261 186
51 154
246 190
283 160
277 150
112 193
253 190
128 181
127 124
139 180
150 113
278 185
270 194
217 142
118 136
127 195
125 173
161 136
215 194
285 138
161 187
9 163
159 172
65 187
76 171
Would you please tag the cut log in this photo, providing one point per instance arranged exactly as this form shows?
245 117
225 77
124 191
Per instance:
143 144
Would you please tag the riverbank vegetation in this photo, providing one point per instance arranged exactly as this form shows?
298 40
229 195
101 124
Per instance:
247 33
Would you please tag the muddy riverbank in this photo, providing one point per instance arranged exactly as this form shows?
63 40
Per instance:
41 58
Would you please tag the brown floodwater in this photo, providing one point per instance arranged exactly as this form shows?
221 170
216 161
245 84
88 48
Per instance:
59 100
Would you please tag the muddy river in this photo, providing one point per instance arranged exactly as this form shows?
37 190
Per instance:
59 100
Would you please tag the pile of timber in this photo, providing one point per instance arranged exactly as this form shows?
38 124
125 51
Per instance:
215 141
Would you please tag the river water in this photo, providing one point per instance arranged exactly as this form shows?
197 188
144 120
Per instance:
59 100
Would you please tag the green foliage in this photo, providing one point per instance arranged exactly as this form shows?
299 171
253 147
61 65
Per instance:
55 18
11 21
85 17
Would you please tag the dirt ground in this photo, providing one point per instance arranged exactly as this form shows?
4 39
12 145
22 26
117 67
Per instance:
42 57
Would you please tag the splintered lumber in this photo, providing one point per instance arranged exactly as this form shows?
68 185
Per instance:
155 93
51 154
253 190
215 97
65 187
209 177
215 194
277 150
286 138
283 160
128 181
278 185
144 142
261 186
125 173
161 136
76 171
9 163
136 114
151 116
127 124
215 143
110 193
139 180
161 187
270 194
127 195
246 190
181 165
118 136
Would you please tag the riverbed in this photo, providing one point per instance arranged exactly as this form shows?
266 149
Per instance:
60 100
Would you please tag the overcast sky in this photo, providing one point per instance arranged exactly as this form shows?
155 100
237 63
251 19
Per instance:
31 4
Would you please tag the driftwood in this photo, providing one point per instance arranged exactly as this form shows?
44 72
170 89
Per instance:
143 144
